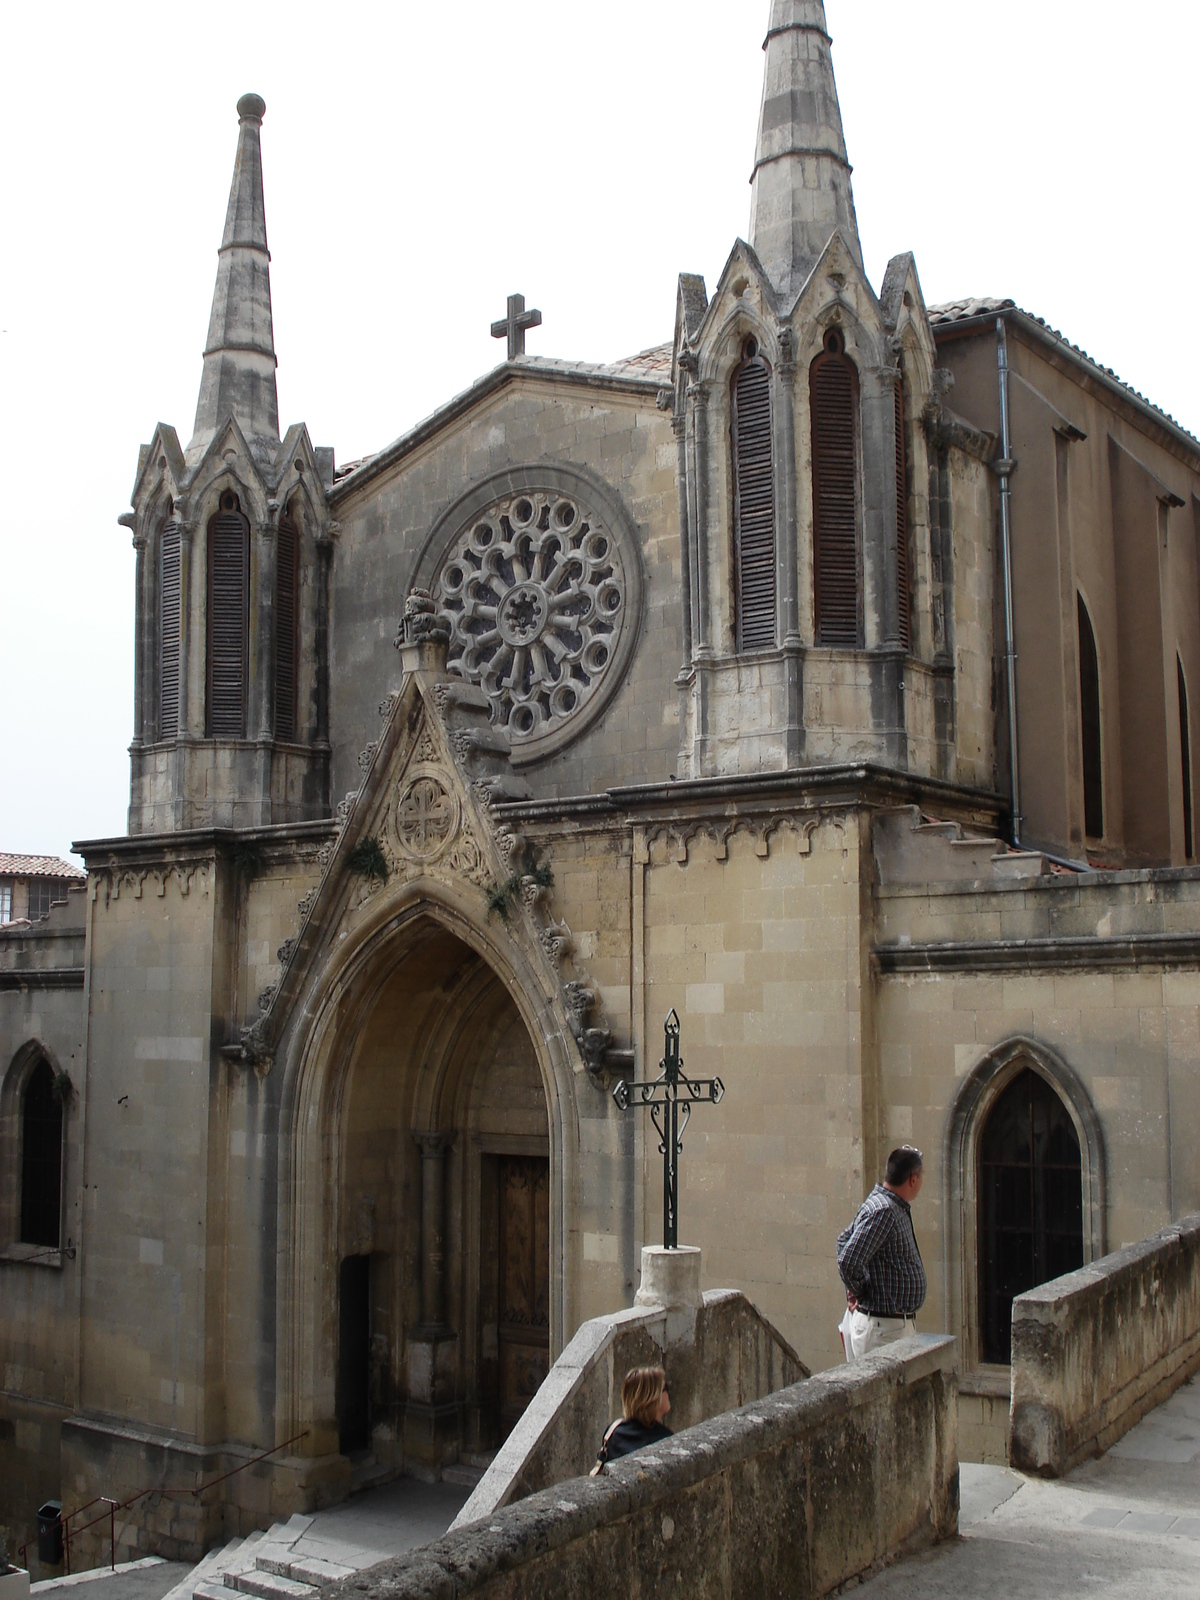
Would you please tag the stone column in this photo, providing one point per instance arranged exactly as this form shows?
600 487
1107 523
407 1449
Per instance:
433 1148
143 680
185 621
785 493
679 423
182 820
700 456
432 1415
321 632
264 609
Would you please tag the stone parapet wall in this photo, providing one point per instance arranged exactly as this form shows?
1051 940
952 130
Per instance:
717 1357
1093 1351
792 1495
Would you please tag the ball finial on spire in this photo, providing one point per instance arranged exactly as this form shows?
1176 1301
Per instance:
252 105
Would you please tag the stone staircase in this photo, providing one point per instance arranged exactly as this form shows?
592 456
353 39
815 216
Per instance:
913 848
270 1566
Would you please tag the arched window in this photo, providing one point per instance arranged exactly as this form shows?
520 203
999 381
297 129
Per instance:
169 593
833 389
287 624
41 1158
753 503
1185 758
1030 1189
1089 721
228 617
903 591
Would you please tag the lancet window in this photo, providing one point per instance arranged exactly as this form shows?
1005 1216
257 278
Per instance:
903 588
169 593
754 502
1185 761
833 389
41 1159
1089 722
228 620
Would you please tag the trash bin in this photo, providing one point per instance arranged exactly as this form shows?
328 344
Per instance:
50 1534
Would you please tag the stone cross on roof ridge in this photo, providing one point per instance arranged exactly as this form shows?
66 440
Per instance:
514 323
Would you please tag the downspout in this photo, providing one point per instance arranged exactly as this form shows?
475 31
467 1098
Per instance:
1004 468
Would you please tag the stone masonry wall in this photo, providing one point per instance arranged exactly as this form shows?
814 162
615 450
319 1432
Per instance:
792 1495
617 436
1095 1350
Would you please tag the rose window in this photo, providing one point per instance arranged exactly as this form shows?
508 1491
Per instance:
534 593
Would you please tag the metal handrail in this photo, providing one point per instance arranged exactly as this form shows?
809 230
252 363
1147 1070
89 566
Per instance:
64 1518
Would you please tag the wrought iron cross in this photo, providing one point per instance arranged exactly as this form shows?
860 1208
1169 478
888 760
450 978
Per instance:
664 1096
513 325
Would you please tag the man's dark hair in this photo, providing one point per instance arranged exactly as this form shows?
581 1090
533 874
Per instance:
901 1165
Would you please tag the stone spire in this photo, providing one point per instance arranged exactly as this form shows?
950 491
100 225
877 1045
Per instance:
239 358
801 182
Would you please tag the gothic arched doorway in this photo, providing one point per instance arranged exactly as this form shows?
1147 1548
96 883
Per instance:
1030 1188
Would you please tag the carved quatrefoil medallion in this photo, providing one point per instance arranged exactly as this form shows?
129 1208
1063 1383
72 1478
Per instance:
427 816
534 591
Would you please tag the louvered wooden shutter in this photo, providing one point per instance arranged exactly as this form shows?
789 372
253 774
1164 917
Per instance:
754 507
835 476
228 587
287 629
903 592
168 631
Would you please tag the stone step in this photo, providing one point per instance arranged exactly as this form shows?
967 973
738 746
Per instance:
268 1585
207 1570
462 1474
313 1570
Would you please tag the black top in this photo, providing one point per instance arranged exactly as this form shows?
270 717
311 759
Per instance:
629 1436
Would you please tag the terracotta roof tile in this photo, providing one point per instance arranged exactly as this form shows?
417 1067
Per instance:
38 867
952 311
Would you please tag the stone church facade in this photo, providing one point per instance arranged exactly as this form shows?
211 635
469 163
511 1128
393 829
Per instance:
692 681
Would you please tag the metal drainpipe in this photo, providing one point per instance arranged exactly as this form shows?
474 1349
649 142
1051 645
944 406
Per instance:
1004 468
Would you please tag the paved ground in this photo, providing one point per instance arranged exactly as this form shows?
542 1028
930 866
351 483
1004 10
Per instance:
388 1520
138 1580
1126 1525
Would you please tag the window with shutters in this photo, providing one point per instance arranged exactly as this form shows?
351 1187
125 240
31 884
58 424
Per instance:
903 588
833 393
169 589
1089 722
41 1158
753 503
1185 760
287 624
228 620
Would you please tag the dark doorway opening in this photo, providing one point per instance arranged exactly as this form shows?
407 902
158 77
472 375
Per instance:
1030 1203
354 1354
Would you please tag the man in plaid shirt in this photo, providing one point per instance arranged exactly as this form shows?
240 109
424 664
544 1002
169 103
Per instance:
879 1261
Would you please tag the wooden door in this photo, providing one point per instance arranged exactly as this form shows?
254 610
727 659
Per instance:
524 1327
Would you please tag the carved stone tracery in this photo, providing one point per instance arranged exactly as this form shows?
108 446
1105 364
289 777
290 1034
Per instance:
534 593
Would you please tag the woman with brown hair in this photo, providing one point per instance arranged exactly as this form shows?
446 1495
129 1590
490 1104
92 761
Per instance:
645 1401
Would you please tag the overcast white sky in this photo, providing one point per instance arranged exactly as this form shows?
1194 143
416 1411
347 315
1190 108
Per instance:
421 161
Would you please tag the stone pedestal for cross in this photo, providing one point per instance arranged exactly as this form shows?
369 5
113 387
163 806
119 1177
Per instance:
664 1096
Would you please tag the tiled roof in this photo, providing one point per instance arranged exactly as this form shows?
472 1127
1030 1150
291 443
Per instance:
966 310
652 363
38 867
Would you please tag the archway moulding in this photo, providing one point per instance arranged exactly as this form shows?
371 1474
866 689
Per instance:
976 1096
